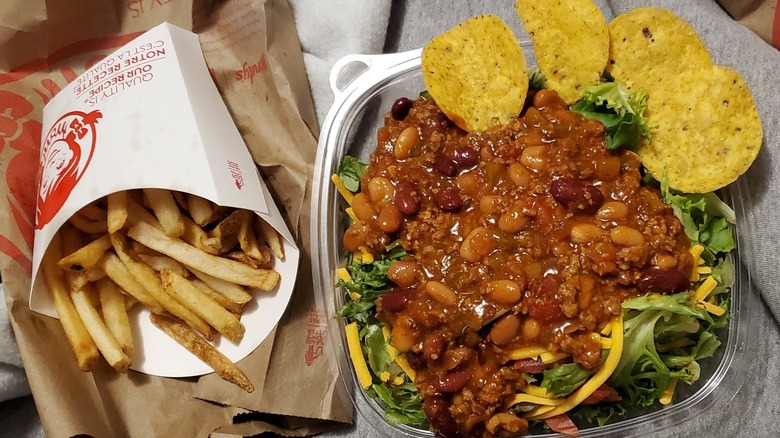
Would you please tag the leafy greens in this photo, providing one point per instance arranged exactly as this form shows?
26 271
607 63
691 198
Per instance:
621 113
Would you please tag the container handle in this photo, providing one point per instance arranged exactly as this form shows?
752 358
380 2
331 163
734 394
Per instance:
343 72
348 68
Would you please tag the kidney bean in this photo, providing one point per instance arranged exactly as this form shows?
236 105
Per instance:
396 300
437 409
532 366
452 382
407 199
482 352
576 195
449 200
441 121
434 345
445 166
401 108
465 157
663 280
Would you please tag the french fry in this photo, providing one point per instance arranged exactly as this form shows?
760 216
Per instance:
149 280
272 238
112 304
227 228
87 256
93 212
117 211
195 236
166 211
72 239
104 339
118 273
216 296
130 301
231 291
161 262
87 225
229 270
200 209
79 338
181 200
244 258
248 241
137 213
206 352
95 273
190 296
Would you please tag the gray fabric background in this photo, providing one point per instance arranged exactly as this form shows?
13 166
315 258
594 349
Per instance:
331 29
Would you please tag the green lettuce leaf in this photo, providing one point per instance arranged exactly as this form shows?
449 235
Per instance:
350 171
705 219
562 380
621 113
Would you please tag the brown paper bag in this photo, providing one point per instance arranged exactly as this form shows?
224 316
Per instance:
760 16
253 52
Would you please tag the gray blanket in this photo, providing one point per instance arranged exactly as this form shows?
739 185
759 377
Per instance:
331 29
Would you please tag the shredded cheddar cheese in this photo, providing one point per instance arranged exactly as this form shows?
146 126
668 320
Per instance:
343 274
528 398
537 391
668 392
594 382
356 355
548 357
712 308
705 288
399 358
342 188
527 353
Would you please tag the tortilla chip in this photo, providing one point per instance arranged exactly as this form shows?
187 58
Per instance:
649 46
571 43
476 73
708 130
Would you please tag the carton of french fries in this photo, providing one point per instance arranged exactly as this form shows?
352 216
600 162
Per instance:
157 244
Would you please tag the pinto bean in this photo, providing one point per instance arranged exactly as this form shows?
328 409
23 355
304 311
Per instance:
404 273
407 198
576 195
452 382
504 291
663 280
407 140
504 330
390 218
441 293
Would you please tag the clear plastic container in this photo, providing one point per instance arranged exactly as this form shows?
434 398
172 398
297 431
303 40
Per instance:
365 87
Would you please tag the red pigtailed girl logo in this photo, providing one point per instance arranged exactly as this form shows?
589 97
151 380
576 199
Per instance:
65 155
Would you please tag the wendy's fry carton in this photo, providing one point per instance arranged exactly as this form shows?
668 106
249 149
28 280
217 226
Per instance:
150 116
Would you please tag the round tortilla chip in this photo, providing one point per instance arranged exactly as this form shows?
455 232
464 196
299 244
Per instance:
650 45
571 43
708 132
476 73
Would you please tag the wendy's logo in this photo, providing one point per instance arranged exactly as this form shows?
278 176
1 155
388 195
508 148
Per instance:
65 155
